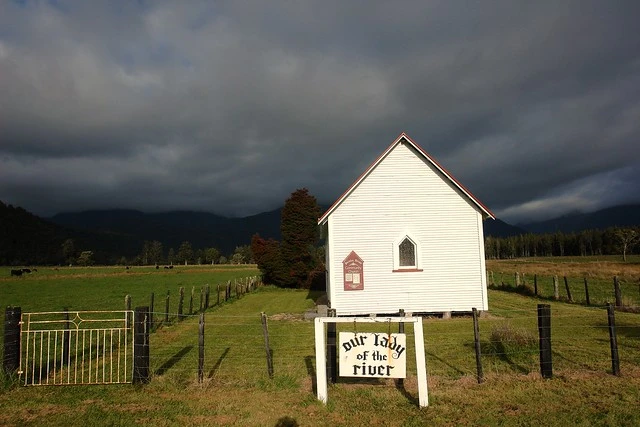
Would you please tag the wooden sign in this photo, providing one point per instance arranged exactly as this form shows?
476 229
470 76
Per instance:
353 272
352 349
373 355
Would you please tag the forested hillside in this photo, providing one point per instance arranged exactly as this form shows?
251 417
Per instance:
127 236
27 239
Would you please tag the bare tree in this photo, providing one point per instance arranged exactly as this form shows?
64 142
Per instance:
627 238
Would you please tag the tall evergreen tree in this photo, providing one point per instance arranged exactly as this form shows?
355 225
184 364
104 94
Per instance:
300 234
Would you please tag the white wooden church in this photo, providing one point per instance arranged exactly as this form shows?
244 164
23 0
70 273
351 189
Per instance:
405 235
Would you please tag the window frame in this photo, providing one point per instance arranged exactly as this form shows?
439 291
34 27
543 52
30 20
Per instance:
397 268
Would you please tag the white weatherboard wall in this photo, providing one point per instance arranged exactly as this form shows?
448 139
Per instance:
405 194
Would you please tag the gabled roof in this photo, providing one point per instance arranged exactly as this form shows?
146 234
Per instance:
399 140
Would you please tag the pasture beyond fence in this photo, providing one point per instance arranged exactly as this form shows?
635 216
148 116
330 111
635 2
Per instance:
624 295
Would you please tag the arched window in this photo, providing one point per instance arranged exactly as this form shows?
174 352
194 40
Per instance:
406 254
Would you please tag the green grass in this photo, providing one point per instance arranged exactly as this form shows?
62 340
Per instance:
105 288
599 273
237 390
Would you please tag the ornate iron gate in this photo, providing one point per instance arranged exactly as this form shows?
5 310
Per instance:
76 347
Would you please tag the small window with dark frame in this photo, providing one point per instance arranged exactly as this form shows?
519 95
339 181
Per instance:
407 253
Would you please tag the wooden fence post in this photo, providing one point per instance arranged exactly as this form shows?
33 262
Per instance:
476 339
141 345
535 284
206 296
267 348
151 308
586 291
181 303
516 279
566 286
218 294
201 298
332 356
616 289
613 340
201 348
544 331
127 307
11 355
166 309
193 289
556 293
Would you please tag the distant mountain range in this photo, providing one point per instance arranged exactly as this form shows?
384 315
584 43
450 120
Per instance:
616 216
111 234
201 229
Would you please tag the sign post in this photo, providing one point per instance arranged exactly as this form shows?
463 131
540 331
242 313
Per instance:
370 355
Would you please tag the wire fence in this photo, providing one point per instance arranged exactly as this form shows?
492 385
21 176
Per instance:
234 346
231 349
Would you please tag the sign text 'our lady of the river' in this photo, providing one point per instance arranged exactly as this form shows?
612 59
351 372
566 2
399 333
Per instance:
373 355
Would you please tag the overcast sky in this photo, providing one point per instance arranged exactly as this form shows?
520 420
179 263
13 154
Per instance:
228 107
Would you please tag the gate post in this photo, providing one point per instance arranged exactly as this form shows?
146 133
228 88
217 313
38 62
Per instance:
11 359
66 339
141 345
332 355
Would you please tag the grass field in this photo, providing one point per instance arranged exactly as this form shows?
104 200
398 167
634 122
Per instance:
237 390
599 272
104 288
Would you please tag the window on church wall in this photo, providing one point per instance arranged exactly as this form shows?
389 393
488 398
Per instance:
407 253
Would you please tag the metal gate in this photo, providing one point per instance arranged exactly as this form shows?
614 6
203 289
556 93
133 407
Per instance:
76 347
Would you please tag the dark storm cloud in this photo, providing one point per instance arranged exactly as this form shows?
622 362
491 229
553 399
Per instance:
230 106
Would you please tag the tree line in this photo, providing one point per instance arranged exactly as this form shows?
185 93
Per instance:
610 241
153 253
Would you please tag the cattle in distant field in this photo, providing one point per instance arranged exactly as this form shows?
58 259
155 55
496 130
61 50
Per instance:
16 272
166 267
171 266
157 267
26 270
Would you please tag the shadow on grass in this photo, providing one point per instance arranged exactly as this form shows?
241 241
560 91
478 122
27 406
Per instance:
497 350
173 360
317 296
216 366
623 328
308 361
287 422
459 371
583 365
399 383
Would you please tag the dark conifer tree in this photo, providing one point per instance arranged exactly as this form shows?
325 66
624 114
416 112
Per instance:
300 235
